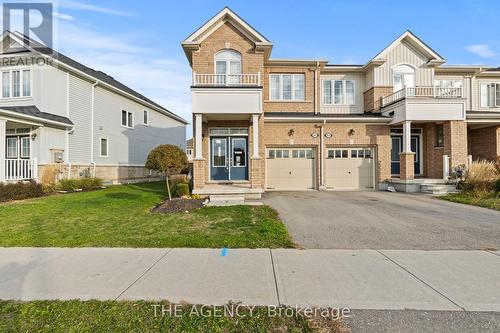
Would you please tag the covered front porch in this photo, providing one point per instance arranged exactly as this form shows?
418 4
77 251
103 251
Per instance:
17 159
29 141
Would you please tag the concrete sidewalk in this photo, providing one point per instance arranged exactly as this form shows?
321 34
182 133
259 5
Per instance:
358 279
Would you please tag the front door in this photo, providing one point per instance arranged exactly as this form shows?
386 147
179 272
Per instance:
397 148
229 158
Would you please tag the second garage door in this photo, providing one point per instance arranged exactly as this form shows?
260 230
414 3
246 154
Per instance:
290 169
350 168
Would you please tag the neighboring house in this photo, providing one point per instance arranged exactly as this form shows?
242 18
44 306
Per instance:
404 118
56 111
189 150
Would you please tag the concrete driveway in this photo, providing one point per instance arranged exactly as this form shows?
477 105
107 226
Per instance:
384 220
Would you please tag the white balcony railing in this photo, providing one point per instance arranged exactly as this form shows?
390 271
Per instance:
428 92
21 169
224 80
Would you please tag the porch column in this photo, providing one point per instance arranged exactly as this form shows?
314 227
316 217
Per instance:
255 123
198 123
407 157
3 124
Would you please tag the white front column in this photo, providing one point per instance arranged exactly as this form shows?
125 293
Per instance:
407 136
255 123
198 138
3 125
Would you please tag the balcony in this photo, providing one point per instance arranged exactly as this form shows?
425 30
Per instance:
418 92
226 80
423 104
234 94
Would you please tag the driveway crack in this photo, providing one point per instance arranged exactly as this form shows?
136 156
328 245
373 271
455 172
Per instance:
422 281
145 272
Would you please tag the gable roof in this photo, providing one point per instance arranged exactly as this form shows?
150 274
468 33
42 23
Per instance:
226 15
413 40
98 75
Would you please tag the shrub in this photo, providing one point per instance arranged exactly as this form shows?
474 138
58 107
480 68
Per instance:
497 186
49 174
481 177
182 189
167 159
86 184
20 190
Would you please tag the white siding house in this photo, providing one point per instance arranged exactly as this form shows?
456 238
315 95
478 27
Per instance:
57 112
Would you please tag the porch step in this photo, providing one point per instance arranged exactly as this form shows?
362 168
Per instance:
228 199
438 189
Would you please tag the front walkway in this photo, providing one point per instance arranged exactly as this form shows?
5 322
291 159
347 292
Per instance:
358 279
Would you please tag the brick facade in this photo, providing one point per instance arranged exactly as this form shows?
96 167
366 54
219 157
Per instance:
455 142
484 143
372 96
407 166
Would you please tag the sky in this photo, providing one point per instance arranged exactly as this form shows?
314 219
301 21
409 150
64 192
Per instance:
138 42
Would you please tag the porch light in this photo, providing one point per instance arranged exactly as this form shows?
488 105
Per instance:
352 131
291 132
33 136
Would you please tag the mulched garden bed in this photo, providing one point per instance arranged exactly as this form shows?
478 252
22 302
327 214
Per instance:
178 205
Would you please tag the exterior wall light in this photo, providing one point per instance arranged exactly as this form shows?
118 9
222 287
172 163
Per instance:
291 132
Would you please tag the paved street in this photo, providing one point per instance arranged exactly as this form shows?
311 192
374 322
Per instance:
358 279
384 220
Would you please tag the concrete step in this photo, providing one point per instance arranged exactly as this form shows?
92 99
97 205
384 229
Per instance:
438 189
228 199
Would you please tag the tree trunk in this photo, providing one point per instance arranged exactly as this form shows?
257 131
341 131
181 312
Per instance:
168 188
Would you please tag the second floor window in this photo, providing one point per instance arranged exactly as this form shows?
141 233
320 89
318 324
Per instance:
228 67
490 95
286 87
16 83
404 76
127 119
339 92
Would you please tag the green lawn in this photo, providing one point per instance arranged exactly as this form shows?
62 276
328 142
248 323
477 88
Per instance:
112 316
464 198
119 216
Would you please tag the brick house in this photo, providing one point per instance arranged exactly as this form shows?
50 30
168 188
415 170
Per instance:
404 118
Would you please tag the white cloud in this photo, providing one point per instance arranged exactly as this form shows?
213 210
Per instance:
77 5
64 16
482 50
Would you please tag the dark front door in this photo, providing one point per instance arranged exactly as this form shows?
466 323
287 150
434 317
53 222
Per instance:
397 148
229 158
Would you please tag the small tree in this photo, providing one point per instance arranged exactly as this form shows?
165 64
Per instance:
167 159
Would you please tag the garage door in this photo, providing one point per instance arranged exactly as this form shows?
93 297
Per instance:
350 168
290 169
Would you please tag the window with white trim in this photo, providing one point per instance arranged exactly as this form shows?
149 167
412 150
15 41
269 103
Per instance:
448 83
490 95
339 92
228 67
104 147
16 83
127 119
403 76
286 87
145 117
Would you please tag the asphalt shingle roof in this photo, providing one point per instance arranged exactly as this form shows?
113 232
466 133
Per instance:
33 111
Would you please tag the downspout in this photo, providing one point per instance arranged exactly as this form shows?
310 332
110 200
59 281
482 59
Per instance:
322 186
68 130
316 88
92 129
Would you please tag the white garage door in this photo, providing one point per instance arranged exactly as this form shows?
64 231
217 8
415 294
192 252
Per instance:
350 168
290 169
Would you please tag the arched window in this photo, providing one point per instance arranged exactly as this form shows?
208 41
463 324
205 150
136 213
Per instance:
228 67
404 76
